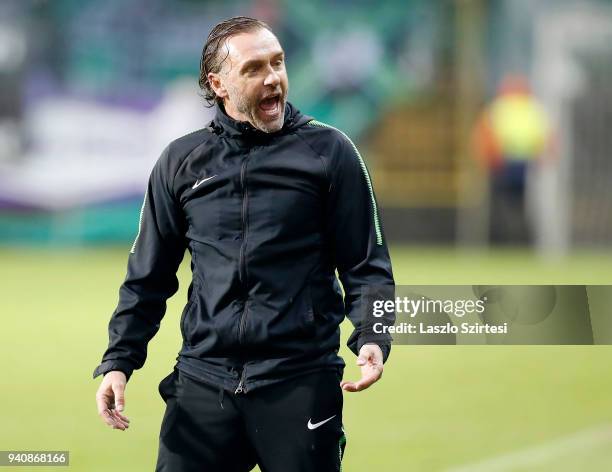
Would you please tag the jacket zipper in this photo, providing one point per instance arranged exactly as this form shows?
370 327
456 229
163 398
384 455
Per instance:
245 198
241 387
241 260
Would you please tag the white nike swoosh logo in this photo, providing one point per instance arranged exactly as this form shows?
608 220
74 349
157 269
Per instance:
200 182
320 423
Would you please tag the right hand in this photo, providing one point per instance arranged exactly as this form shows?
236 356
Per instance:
110 399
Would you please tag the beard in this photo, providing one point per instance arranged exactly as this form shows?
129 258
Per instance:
250 107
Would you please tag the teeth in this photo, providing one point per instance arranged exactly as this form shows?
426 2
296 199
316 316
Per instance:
270 105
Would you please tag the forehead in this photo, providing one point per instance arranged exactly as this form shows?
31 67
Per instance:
258 44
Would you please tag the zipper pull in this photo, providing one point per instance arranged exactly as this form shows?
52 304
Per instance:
241 388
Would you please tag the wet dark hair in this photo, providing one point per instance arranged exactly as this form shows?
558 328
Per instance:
212 59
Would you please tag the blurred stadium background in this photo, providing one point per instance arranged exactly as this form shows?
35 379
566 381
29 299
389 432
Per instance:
91 92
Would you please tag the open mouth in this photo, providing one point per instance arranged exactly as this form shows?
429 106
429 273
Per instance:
270 105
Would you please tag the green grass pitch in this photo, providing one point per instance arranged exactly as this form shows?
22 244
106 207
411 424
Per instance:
435 408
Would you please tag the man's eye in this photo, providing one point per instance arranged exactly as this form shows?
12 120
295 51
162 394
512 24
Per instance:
278 62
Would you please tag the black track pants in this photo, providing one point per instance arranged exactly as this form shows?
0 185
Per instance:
292 426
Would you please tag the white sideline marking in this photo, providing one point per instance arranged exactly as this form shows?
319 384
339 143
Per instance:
540 454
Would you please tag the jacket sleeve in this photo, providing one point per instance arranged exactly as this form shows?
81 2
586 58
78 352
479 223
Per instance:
360 251
151 274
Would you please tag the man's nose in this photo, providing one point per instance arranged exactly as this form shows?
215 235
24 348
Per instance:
272 78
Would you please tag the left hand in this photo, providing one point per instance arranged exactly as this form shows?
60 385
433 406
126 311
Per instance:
371 361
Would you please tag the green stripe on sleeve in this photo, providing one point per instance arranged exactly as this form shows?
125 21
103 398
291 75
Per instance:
144 202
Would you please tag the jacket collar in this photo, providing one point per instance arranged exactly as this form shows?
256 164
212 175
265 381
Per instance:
243 130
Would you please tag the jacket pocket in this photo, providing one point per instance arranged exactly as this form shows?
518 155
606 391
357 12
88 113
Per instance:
308 312
282 325
187 315
166 386
186 312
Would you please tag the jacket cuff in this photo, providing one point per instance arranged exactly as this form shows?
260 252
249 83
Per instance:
107 366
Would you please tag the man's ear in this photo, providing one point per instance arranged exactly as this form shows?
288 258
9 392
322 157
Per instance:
217 85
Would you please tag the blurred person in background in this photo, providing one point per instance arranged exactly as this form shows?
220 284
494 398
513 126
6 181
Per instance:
270 203
512 133
13 51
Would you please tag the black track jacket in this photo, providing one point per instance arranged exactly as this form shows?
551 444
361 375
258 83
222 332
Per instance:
267 218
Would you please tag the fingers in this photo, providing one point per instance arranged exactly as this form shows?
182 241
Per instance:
121 422
101 402
111 419
107 417
370 373
115 419
348 386
119 392
121 416
360 385
366 381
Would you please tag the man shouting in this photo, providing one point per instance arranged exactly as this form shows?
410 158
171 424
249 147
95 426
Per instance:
270 204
